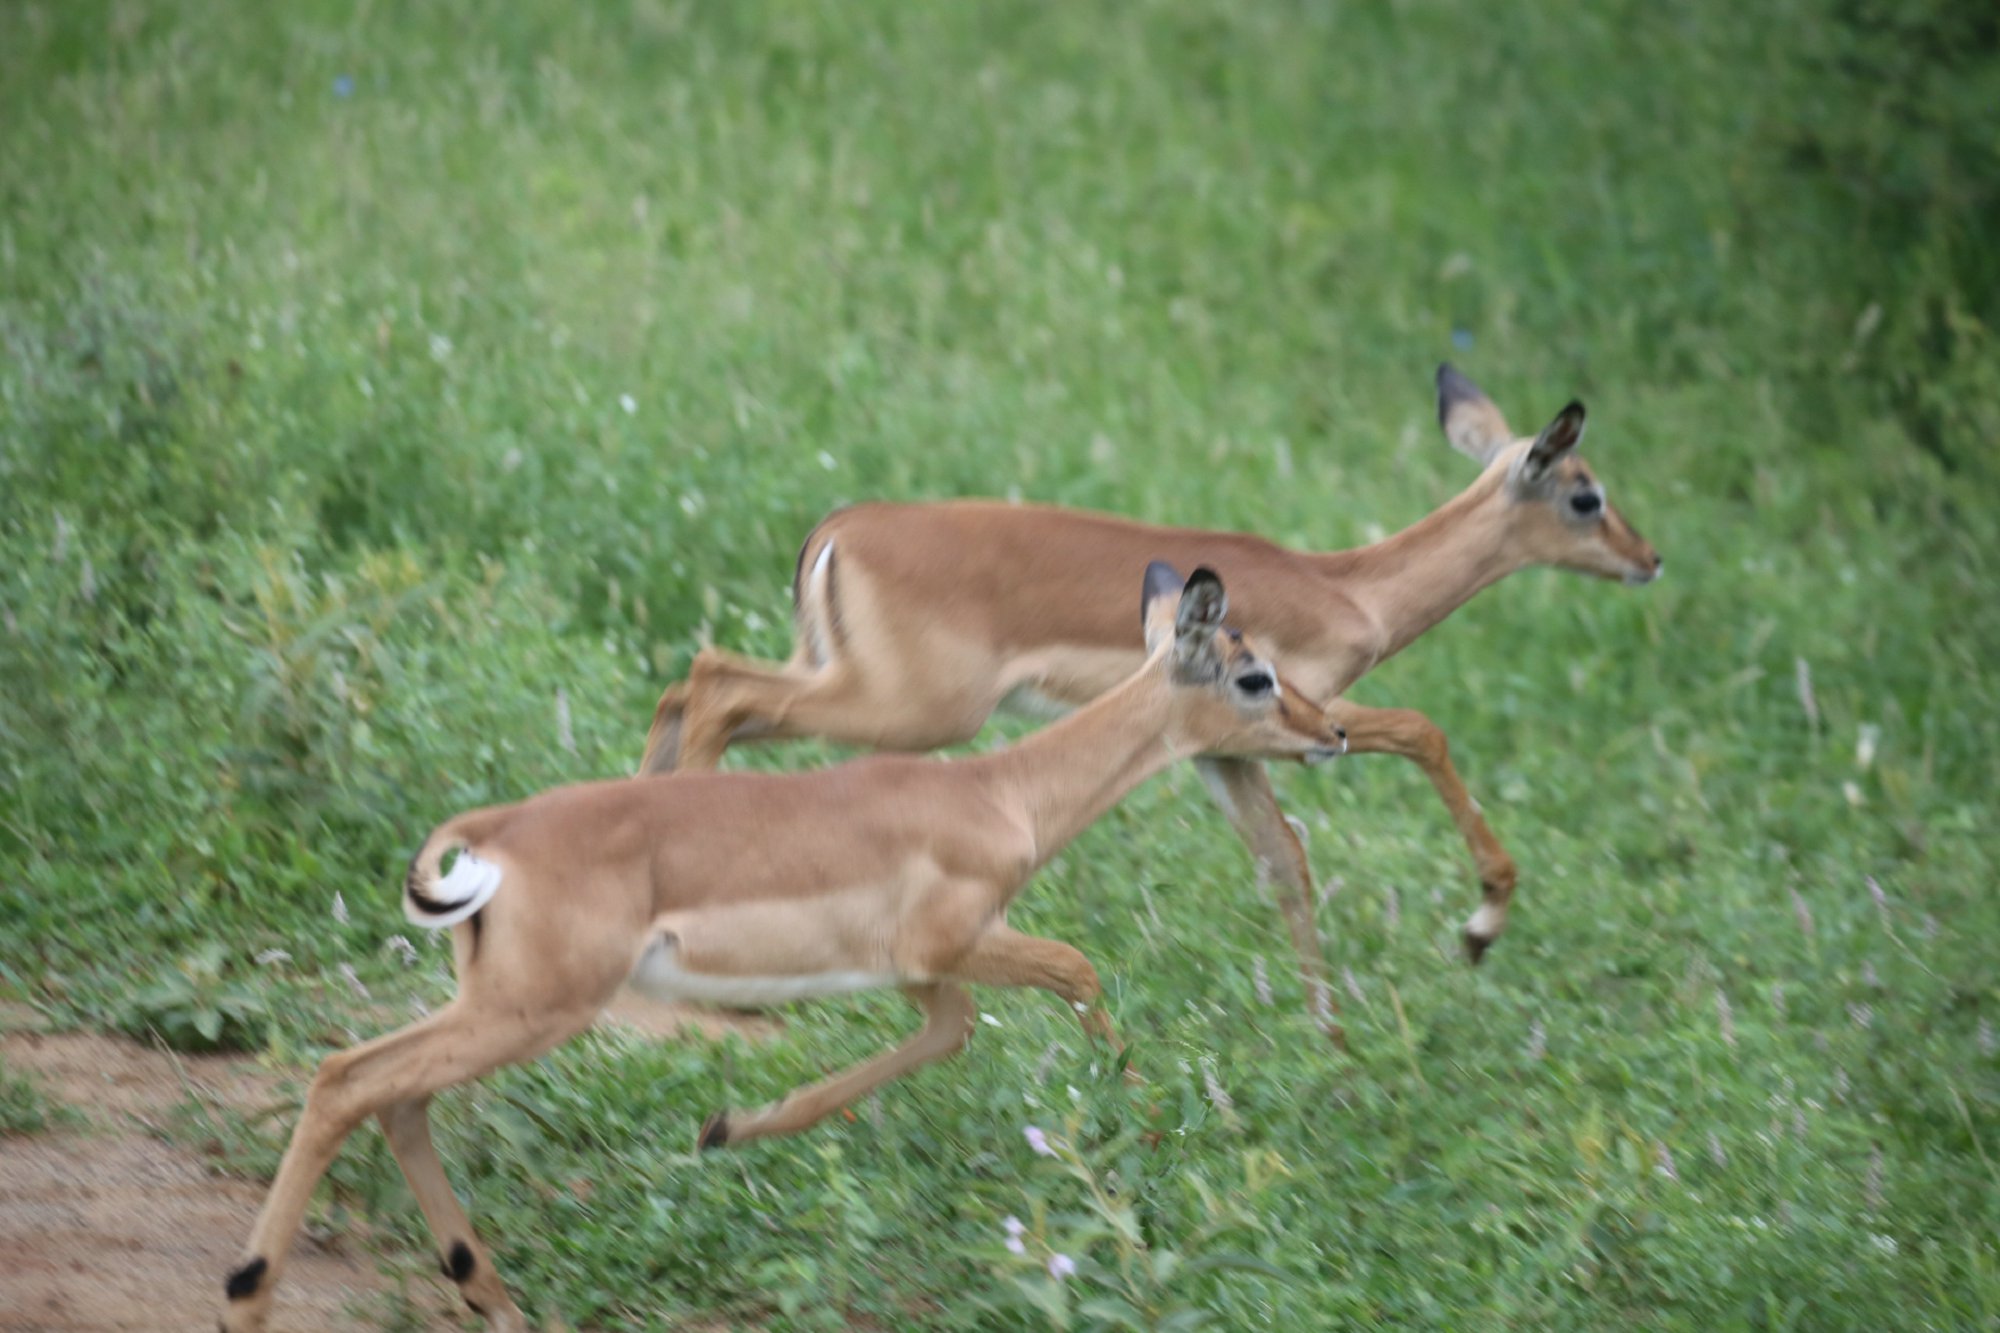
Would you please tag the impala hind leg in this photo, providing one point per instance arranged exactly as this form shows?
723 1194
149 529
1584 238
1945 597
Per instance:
407 1125
663 738
731 699
948 1015
1243 789
1405 732
451 1046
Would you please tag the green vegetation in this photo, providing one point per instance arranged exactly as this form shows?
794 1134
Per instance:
25 1108
393 397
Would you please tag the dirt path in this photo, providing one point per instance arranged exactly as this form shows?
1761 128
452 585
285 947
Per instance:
107 1227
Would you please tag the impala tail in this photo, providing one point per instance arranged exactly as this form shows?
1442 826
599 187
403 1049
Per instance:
434 898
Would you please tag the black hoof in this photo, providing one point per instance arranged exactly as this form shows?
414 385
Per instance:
245 1280
715 1132
1476 947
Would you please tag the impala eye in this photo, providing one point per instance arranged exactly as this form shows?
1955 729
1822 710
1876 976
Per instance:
1586 503
1256 684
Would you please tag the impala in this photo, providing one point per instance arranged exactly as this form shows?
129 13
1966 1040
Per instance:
751 889
915 622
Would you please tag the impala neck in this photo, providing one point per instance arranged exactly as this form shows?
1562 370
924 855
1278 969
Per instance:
1411 581
1064 776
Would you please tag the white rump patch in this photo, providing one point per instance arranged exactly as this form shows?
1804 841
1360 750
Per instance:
659 973
469 886
815 611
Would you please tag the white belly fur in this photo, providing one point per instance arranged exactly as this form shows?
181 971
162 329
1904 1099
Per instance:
659 974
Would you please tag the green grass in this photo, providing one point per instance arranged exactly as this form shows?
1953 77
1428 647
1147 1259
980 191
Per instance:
318 489
26 1109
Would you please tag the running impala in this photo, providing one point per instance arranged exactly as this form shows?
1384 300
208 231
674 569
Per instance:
915 622
754 889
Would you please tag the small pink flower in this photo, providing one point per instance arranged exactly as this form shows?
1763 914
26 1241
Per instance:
1039 1141
1061 1266
1013 1227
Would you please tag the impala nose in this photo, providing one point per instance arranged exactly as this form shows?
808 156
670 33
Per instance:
1639 578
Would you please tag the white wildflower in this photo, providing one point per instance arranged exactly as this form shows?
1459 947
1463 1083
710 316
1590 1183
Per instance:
1801 911
565 737
1218 1096
1803 674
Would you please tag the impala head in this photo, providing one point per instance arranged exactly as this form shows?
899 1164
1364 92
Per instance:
1556 505
1228 697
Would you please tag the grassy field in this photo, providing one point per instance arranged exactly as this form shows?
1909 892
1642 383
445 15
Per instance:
394 397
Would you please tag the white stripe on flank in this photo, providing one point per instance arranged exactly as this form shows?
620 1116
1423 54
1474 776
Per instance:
659 974
469 887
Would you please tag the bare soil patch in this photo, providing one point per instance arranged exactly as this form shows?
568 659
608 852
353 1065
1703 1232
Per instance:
109 1227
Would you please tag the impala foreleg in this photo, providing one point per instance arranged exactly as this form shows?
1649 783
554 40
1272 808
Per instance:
1243 789
1005 957
948 1016
1408 733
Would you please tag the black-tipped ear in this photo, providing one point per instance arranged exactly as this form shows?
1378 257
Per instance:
1557 438
1162 580
1470 420
1454 388
1203 604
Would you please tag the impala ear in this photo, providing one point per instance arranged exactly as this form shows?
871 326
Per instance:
1470 420
1203 605
1557 438
1157 603
1196 621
